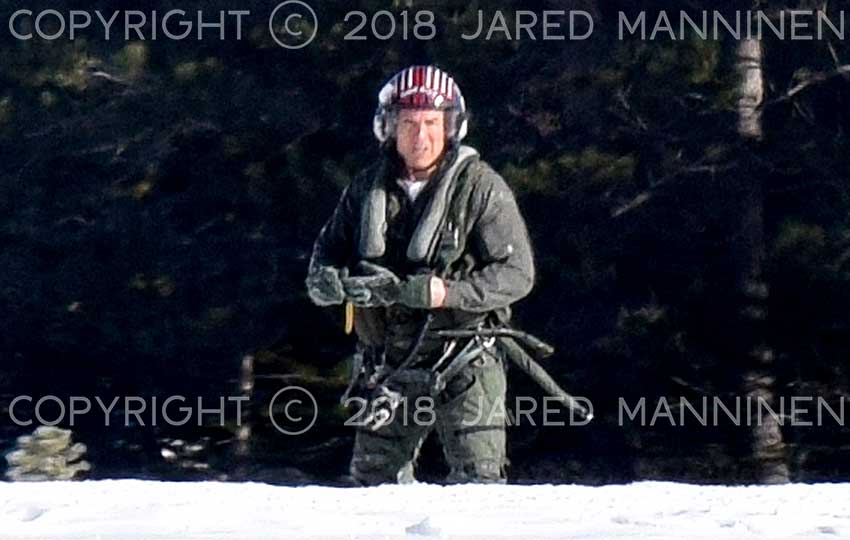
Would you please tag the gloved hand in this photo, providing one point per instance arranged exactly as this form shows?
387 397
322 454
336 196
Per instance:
381 287
376 286
324 285
415 291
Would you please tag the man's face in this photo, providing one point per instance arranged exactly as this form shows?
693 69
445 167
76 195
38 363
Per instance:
421 139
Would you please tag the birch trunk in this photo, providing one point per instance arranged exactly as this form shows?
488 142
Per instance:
768 448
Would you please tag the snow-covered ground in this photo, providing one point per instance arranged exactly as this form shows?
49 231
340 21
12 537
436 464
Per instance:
142 510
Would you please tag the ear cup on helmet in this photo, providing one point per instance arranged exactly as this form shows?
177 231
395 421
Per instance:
379 125
383 124
461 132
462 120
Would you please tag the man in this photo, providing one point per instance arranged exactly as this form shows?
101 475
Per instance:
429 239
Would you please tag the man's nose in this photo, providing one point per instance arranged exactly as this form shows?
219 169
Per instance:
421 131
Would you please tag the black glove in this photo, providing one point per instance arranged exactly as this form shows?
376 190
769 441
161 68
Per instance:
377 286
381 287
324 286
415 291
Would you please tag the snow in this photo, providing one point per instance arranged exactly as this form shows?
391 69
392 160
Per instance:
136 510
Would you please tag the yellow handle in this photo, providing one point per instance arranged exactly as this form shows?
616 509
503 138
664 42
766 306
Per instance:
349 318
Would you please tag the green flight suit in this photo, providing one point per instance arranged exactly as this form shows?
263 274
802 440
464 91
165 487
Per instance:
466 227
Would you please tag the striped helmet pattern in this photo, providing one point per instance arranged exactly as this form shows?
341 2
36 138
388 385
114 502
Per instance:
424 86
419 87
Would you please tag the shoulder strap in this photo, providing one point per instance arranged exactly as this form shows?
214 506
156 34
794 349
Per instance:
423 243
451 243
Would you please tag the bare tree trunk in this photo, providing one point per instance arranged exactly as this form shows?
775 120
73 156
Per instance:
768 448
750 61
242 449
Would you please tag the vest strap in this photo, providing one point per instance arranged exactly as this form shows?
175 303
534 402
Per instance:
373 227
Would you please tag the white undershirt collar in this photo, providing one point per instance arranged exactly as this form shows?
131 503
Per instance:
412 187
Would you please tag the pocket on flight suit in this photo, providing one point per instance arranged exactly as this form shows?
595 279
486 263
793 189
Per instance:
472 374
